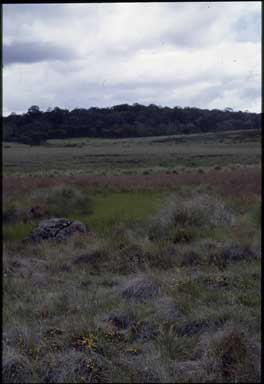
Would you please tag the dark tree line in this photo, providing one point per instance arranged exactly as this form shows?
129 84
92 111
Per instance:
119 121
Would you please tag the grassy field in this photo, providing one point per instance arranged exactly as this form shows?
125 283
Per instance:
164 286
133 156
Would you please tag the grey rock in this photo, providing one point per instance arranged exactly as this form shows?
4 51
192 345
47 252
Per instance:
57 229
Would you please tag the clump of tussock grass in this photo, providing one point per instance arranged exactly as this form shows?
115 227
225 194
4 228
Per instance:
72 286
15 265
24 336
62 201
16 367
231 356
75 366
91 258
166 309
171 346
140 288
128 260
160 255
190 371
222 255
128 252
179 218
189 257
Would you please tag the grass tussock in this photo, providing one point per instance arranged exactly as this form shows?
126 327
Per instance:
16 367
183 221
231 356
169 292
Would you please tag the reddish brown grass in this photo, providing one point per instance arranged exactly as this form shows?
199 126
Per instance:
243 183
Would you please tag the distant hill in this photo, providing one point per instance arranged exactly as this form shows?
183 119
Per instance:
120 121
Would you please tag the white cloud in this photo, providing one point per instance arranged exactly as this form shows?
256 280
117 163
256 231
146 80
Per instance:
163 53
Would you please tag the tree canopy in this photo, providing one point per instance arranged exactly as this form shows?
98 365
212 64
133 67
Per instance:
120 121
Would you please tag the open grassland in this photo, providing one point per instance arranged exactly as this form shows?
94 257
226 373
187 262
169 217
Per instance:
165 285
133 156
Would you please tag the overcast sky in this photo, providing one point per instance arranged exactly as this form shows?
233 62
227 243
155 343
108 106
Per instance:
202 54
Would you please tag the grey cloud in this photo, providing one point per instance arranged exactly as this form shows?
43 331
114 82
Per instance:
117 69
248 27
32 52
37 11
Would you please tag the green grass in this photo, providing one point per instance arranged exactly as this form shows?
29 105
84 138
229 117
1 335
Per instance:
44 285
121 208
16 232
57 298
99 211
140 155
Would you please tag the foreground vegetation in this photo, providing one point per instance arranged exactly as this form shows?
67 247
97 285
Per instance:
164 286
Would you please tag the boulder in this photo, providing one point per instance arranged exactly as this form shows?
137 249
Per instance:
57 229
